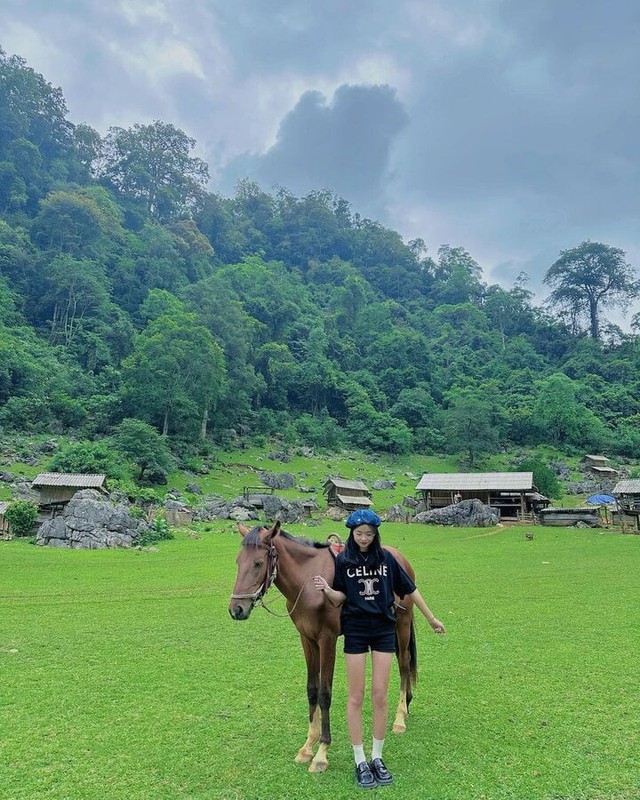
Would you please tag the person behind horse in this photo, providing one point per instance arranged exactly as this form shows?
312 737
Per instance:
366 578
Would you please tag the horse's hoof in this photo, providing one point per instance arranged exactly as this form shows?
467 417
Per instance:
318 766
304 756
399 727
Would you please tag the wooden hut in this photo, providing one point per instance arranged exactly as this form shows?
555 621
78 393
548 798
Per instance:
347 494
599 466
57 488
627 494
512 494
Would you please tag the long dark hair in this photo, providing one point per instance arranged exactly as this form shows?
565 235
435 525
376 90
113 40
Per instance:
352 554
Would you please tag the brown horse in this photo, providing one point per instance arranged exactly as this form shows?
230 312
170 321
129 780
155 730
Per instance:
272 556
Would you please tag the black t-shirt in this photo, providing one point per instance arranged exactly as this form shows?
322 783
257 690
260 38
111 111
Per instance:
369 592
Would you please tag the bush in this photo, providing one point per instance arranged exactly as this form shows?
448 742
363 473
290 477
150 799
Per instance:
319 431
21 516
26 414
158 531
92 457
543 477
142 445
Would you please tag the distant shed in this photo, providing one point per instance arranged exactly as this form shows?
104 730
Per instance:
604 472
57 488
627 494
596 461
347 494
599 466
511 493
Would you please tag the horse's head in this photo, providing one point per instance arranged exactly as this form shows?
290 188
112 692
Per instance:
256 569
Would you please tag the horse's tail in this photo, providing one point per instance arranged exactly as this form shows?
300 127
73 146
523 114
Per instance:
413 655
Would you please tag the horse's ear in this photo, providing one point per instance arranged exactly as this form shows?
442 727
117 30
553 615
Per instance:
242 529
275 530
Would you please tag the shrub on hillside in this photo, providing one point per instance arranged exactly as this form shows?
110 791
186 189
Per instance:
142 445
544 479
93 457
157 531
21 516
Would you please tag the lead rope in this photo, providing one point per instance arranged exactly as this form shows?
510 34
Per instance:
287 613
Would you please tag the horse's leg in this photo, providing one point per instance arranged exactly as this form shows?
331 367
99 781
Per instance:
407 665
312 657
327 664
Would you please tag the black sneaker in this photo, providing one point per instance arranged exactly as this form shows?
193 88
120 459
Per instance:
364 776
381 774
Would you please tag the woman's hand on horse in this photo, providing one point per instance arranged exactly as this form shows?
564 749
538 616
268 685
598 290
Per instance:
320 583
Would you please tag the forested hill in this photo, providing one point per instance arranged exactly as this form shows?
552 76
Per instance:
128 291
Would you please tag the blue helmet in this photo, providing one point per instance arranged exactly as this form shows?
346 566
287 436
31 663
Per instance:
362 516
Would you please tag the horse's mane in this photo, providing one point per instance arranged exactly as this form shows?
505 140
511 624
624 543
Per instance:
252 539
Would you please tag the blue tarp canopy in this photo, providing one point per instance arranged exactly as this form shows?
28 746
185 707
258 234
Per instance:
600 499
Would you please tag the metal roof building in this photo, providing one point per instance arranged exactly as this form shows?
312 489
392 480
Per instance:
459 481
511 493
57 488
627 494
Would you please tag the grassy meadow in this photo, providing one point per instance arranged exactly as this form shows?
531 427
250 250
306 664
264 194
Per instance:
124 678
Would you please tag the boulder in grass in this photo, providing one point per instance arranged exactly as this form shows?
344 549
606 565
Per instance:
278 480
91 521
396 514
465 514
384 484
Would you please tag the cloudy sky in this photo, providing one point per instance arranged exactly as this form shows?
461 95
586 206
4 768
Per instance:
508 127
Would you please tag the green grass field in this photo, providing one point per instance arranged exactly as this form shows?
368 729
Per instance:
122 677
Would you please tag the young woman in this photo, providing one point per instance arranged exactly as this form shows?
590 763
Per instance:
365 580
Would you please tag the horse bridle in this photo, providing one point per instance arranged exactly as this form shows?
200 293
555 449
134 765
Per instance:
269 578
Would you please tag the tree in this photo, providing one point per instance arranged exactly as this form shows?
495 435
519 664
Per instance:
142 445
69 223
153 164
370 429
77 289
417 408
470 428
32 109
544 478
590 277
21 516
93 457
176 373
561 418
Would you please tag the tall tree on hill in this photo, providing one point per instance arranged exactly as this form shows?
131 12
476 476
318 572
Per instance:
153 163
561 418
175 375
469 426
458 277
31 109
590 277
141 444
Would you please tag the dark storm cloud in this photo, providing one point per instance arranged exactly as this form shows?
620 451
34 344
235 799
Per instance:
343 145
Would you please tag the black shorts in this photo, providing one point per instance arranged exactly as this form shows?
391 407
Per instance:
375 634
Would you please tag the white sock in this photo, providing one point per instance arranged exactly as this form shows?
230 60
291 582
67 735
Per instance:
376 750
358 753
